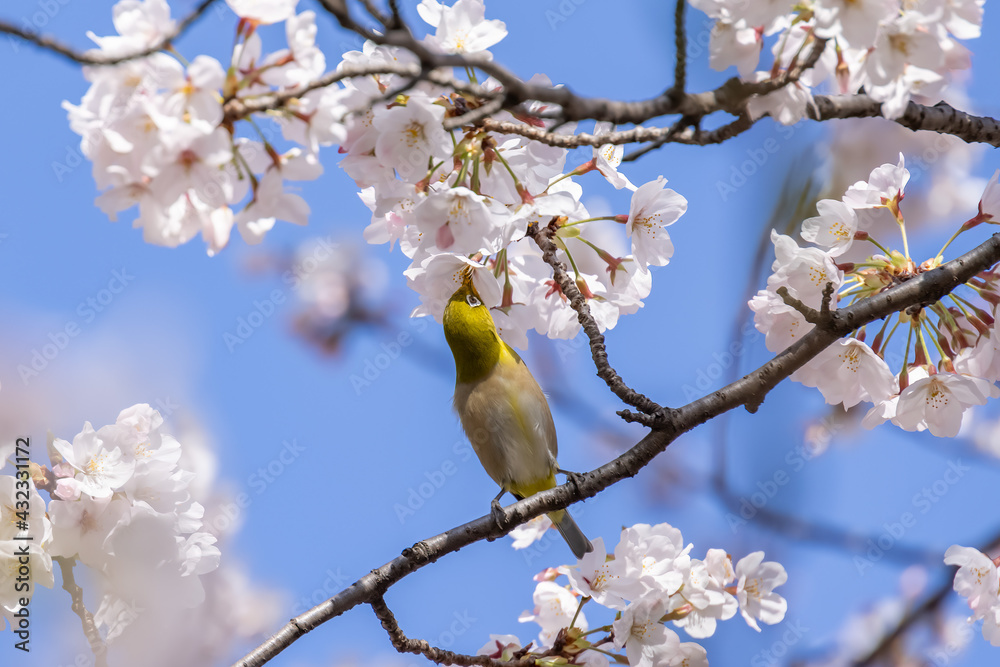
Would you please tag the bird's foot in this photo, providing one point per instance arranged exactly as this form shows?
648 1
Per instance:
496 510
573 478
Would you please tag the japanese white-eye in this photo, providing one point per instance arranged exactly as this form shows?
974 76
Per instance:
502 408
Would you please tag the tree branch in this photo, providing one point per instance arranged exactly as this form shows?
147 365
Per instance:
55 46
238 108
680 50
403 644
749 390
543 237
730 97
941 118
97 645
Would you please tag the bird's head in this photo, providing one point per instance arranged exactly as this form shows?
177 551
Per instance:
470 332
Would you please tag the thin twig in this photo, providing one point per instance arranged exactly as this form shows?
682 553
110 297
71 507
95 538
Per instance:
397 18
404 644
238 108
55 46
693 136
376 14
543 237
730 97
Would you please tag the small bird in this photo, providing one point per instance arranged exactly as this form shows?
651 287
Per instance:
502 408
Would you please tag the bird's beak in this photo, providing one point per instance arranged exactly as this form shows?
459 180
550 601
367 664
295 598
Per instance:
467 278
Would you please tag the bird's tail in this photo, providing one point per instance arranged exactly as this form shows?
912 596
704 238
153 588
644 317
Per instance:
571 532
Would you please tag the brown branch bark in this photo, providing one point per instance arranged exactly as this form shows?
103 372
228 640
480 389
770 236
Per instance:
404 644
649 409
731 97
55 46
942 117
680 50
235 109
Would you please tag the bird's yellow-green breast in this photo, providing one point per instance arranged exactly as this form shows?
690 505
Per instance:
501 406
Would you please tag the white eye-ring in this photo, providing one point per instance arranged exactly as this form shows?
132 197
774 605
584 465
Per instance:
473 301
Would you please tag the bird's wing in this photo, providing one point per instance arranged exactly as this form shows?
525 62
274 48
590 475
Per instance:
535 416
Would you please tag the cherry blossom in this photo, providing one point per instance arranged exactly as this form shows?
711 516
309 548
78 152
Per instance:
654 560
833 228
735 44
976 578
12 557
409 136
555 607
139 24
653 209
884 187
989 204
804 271
195 92
899 43
438 276
780 323
608 158
462 200
982 359
599 578
755 590
848 372
263 11
96 468
705 588
433 191
460 220
856 22
977 581
646 641
302 62
648 581
500 647
787 104
937 402
461 28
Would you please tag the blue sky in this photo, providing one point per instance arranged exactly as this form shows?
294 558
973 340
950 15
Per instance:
332 513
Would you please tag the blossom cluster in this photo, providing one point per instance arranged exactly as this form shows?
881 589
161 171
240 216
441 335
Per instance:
466 197
157 133
155 128
121 507
25 534
649 580
977 580
891 50
950 359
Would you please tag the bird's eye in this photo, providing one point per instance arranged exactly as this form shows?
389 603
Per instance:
473 301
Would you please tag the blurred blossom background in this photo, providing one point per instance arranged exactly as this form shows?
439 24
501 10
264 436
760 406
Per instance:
316 414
